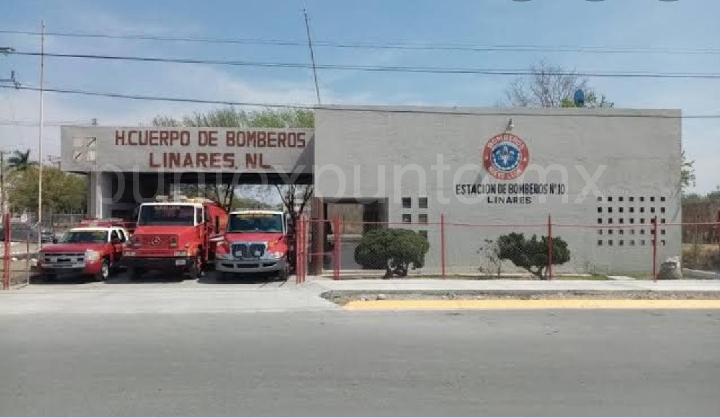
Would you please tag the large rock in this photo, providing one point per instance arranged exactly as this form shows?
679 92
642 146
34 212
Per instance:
670 269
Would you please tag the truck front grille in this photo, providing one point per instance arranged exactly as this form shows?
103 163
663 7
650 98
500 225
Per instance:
248 250
64 258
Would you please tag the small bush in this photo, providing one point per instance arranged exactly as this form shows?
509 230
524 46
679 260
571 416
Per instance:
395 250
532 254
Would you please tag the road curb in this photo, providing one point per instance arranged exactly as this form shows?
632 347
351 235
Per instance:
523 304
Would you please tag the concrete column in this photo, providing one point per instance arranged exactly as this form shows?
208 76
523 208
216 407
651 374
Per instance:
99 194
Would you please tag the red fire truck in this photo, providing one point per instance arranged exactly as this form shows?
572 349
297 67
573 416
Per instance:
174 235
256 241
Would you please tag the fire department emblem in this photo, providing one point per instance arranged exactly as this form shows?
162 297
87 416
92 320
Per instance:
505 156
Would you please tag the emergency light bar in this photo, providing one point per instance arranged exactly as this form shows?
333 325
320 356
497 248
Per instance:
109 222
181 198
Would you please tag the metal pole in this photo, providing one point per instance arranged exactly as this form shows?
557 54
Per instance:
312 56
299 249
550 249
40 134
304 257
655 244
336 248
6 253
442 245
27 258
2 184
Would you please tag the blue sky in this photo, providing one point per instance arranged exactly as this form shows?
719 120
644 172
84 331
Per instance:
612 23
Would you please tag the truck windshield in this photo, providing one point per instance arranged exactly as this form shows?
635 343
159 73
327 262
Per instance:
255 222
73 237
167 215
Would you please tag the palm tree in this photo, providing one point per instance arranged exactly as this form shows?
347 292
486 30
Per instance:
20 161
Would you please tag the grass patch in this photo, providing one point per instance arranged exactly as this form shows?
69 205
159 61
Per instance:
701 256
342 298
581 277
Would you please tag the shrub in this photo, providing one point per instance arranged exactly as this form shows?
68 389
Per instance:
491 257
395 250
532 254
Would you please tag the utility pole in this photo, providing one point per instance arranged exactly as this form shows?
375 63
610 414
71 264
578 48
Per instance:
40 130
317 206
2 184
312 56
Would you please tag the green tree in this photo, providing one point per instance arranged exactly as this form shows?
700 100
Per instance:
224 193
532 254
687 172
62 192
392 249
20 161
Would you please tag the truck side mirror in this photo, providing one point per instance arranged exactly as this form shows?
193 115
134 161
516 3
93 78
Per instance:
217 224
54 240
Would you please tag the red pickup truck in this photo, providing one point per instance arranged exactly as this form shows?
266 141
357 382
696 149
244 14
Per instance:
92 249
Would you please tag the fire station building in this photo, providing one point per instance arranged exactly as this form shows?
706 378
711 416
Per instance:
601 175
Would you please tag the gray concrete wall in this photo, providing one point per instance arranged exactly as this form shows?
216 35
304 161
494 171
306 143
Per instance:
362 154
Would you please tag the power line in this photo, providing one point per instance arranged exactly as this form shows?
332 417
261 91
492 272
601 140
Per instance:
349 108
388 45
35 124
371 68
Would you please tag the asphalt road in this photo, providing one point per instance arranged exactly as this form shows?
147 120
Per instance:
343 363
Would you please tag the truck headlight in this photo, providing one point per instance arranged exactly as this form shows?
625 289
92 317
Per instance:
92 255
276 255
223 256
181 253
129 254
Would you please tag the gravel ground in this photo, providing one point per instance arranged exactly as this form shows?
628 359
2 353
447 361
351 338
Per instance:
342 298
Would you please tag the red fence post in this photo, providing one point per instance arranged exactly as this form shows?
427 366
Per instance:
717 234
303 248
298 239
550 249
442 245
655 245
336 247
6 255
300 250
27 257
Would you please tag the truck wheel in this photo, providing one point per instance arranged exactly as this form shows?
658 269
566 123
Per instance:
283 274
104 273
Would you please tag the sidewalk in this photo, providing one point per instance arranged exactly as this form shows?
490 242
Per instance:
440 285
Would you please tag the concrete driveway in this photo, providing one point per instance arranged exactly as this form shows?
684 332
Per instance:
156 295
